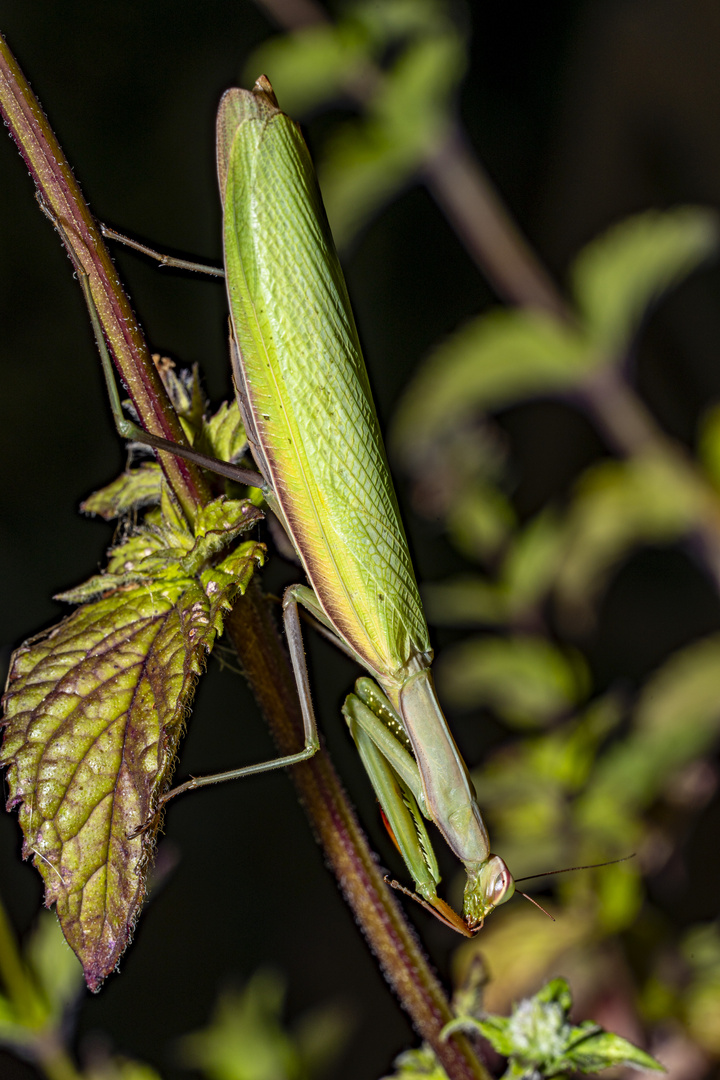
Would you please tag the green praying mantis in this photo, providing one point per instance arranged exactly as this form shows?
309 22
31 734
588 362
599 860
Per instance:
312 428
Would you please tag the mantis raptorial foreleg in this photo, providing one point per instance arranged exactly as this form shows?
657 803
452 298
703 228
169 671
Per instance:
395 778
400 809
369 709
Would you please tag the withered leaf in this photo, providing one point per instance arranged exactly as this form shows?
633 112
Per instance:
93 713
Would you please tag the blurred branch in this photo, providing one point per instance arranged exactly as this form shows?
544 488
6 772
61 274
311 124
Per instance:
473 207
459 185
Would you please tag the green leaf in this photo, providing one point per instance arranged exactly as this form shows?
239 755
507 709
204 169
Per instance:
479 520
119 1068
464 601
366 162
493 361
531 564
602 1050
133 490
56 969
617 276
146 554
709 443
526 680
224 433
558 991
417 1064
93 713
539 1040
312 65
222 436
701 953
526 575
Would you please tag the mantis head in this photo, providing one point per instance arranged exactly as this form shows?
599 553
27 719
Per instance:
490 885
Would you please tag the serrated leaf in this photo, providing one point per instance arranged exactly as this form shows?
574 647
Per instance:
146 554
618 275
93 713
603 1049
134 489
224 433
539 1040
493 361
526 680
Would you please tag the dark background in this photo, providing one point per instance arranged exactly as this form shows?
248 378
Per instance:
582 111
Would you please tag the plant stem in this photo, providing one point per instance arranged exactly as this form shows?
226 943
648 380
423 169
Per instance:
250 624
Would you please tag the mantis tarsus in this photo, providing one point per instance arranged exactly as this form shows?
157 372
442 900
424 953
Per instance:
313 432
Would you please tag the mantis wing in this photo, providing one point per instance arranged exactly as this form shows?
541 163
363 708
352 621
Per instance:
303 379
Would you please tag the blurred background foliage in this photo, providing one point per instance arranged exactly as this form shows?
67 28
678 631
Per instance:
559 458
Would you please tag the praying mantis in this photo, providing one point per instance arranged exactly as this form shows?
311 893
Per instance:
312 428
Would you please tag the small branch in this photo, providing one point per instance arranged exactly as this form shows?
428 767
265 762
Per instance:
250 625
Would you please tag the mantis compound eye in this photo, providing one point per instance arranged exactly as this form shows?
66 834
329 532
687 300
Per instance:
501 884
